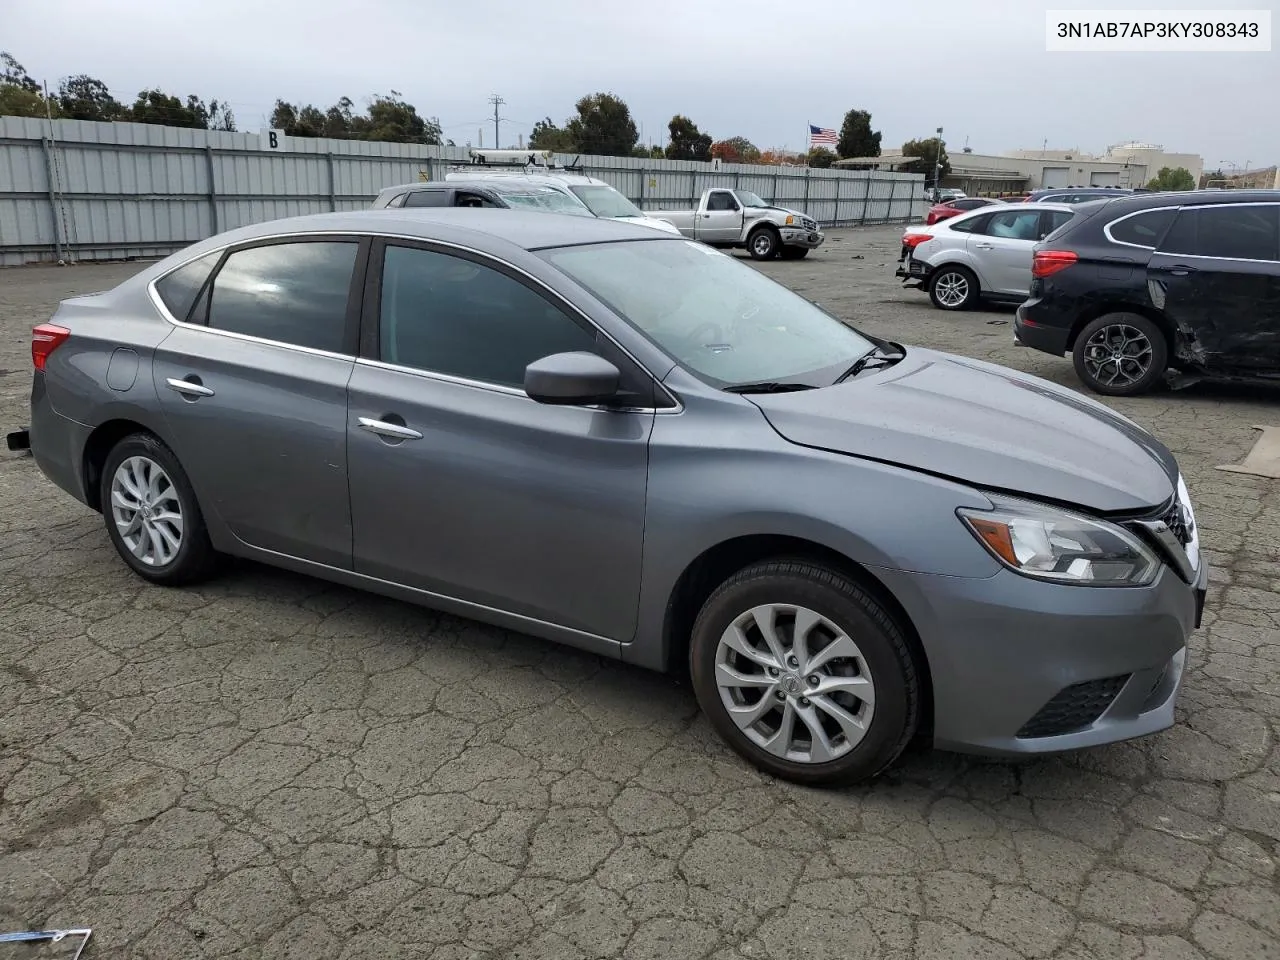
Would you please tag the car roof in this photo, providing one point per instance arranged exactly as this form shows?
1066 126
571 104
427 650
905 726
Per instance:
495 184
1184 198
486 229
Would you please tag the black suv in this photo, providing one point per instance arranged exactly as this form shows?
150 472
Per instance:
1134 286
1079 194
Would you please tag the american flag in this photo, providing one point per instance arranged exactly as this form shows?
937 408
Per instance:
822 135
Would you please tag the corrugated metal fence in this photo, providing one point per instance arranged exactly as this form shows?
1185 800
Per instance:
79 190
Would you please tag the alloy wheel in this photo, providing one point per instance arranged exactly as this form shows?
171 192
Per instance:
1118 355
952 289
794 683
147 511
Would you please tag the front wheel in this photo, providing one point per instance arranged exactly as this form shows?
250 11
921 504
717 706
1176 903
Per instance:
763 243
151 513
794 253
1120 355
804 673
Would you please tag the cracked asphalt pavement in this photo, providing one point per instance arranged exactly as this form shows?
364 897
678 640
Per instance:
269 766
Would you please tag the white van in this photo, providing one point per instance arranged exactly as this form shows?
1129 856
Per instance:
537 168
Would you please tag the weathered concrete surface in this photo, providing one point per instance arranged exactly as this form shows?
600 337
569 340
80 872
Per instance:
270 766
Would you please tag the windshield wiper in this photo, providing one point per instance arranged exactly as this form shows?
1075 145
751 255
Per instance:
768 386
877 355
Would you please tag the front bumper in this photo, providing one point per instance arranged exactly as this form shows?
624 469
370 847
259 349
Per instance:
1023 667
800 237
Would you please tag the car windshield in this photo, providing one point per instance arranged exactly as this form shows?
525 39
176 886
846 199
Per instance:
545 199
721 320
605 201
749 199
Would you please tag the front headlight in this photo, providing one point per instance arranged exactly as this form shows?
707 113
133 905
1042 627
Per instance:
790 221
1051 544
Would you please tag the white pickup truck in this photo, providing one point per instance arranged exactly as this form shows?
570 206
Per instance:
738 218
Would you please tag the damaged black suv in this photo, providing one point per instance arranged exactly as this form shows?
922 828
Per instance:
1137 287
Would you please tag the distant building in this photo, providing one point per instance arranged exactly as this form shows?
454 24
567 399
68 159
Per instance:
977 174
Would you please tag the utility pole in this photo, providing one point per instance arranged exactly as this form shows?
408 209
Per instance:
496 101
937 166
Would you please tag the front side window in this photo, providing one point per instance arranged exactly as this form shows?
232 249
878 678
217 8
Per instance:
445 314
1142 229
179 289
720 319
606 201
293 293
1014 225
721 200
1229 231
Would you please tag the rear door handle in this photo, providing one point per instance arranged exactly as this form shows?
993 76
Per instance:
189 388
394 430
985 246
1181 271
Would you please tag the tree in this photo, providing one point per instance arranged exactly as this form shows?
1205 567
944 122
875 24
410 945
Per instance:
736 150
857 139
821 158
86 98
13 74
1177 178
392 120
687 141
648 153
928 151
16 101
156 106
603 126
547 136
780 157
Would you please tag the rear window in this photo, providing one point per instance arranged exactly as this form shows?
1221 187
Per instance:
178 289
1230 231
1142 229
426 198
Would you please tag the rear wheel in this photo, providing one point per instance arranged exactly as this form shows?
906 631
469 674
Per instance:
1120 355
763 243
953 288
151 513
804 673
794 253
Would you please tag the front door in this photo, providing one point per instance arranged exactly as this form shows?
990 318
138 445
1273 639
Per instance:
254 389
462 485
1217 274
721 220
1003 251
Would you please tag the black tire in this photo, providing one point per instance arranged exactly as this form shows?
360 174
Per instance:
763 243
953 277
880 641
1139 364
195 558
794 253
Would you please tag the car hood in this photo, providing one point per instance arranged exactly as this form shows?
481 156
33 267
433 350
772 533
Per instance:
983 425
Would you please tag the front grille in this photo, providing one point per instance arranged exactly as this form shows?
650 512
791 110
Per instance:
809 224
1073 708
1176 521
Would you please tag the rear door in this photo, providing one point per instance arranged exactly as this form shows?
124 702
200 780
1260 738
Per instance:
254 388
721 221
1217 274
1002 252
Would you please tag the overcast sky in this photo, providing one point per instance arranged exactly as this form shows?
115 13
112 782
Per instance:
757 68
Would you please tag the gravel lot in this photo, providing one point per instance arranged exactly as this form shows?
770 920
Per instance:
271 766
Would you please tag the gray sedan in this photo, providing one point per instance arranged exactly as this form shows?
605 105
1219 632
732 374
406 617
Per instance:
639 446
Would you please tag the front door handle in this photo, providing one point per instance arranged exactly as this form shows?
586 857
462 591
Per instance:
395 431
189 388
1181 271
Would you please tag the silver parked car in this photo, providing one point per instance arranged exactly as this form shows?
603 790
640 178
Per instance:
637 445
981 255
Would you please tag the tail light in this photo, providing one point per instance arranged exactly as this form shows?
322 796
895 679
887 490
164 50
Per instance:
1045 263
45 339
913 240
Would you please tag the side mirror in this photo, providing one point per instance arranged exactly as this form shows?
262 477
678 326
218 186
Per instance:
571 379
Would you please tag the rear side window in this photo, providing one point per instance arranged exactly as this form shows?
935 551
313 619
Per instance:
1230 231
293 293
1055 220
426 198
1142 229
969 225
179 289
